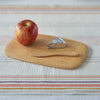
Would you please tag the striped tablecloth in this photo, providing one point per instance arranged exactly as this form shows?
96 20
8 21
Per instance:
77 23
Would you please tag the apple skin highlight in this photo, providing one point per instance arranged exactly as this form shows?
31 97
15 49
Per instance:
26 32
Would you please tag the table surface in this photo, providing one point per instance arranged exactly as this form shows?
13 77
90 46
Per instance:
69 97
82 25
52 2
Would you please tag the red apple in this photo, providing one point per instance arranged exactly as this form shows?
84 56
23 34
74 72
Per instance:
26 32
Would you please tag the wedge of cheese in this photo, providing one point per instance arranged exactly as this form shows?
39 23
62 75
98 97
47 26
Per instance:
57 43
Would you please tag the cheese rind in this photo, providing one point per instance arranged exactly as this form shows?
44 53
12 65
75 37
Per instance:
56 43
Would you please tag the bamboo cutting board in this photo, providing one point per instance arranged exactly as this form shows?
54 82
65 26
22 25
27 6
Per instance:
68 58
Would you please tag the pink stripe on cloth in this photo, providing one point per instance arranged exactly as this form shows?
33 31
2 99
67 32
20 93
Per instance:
49 76
49 8
41 12
49 85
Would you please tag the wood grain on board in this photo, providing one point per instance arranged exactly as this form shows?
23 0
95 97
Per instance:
68 58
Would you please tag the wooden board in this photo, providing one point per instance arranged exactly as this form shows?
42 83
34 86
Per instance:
69 58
